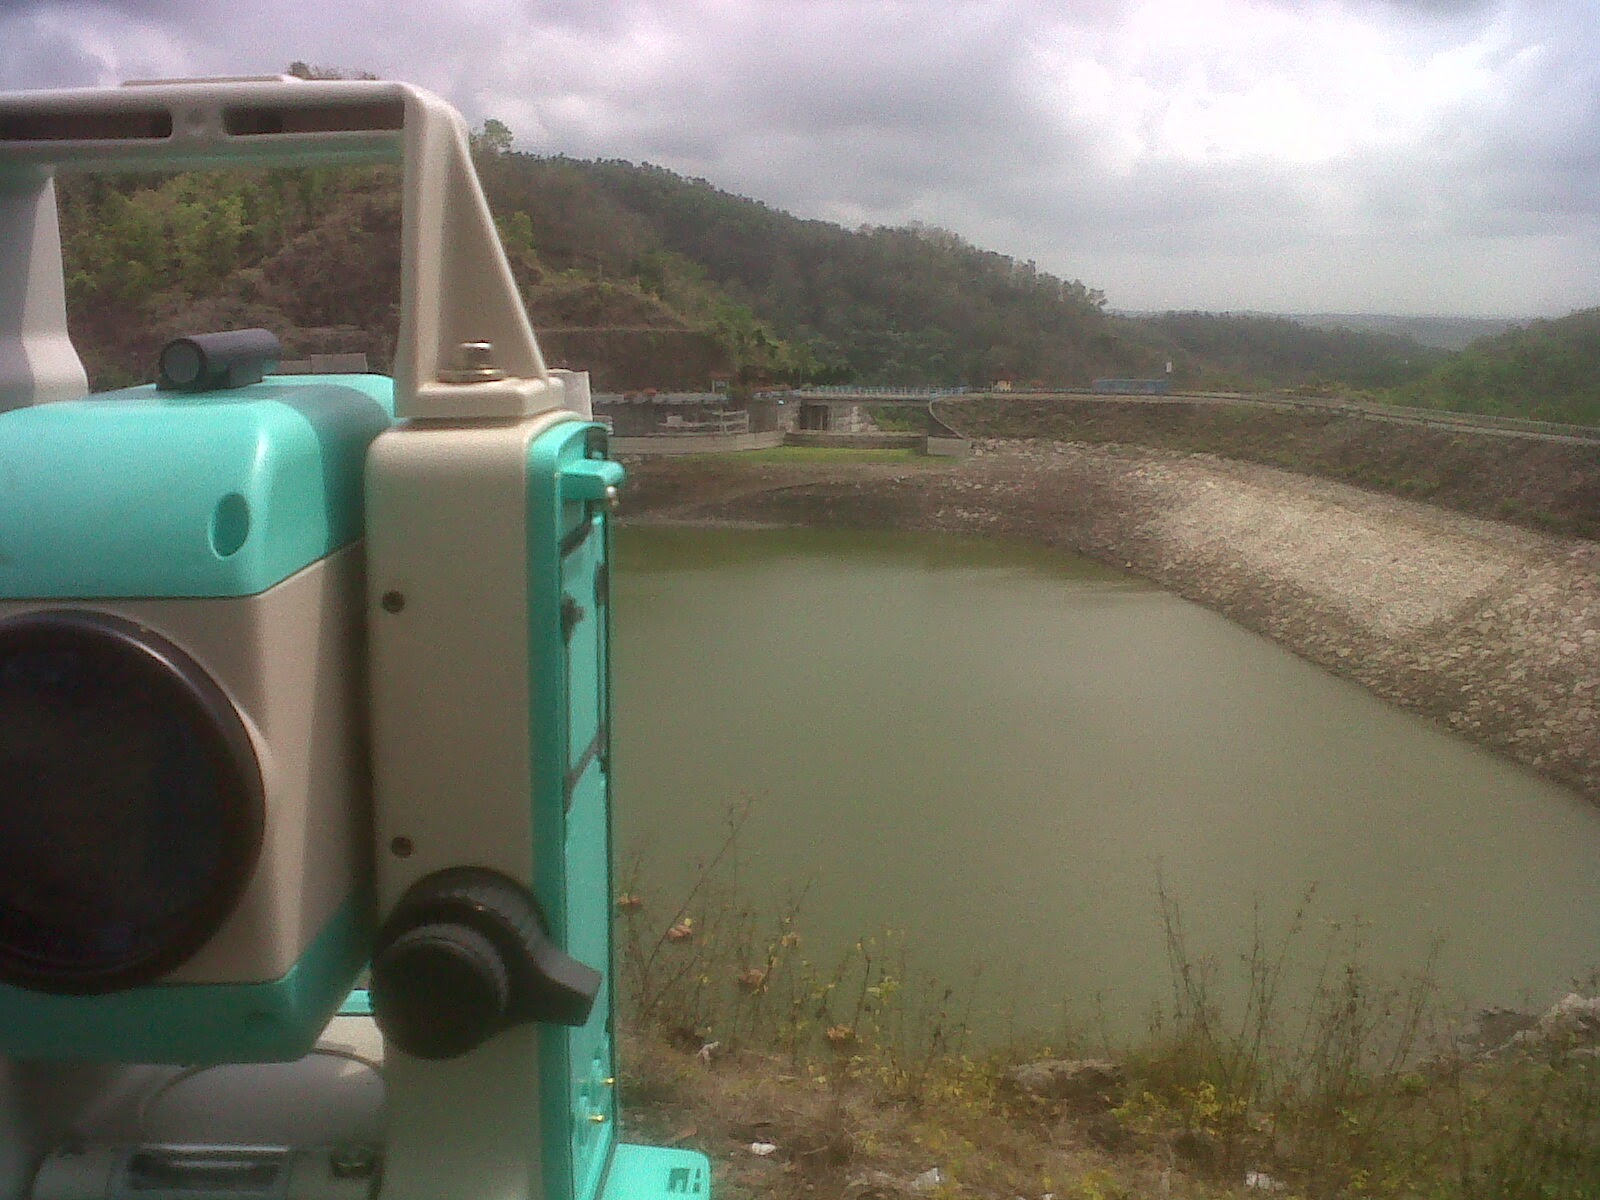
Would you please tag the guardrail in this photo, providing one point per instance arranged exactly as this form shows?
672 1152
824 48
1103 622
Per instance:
1401 414
881 392
1445 417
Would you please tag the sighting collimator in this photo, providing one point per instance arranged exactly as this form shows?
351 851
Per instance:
208 362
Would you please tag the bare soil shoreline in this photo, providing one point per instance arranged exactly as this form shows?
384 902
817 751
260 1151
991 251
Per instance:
1489 628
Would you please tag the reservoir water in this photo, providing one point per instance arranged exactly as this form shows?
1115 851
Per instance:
1001 750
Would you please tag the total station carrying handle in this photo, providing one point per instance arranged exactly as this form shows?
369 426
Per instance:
456 288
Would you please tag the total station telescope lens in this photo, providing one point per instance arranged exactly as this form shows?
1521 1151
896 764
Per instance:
131 804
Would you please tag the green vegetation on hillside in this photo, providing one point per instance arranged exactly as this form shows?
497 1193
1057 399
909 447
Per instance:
1548 371
1223 351
312 254
604 251
906 305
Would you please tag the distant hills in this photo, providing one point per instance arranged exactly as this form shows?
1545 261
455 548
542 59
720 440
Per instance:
1441 333
651 279
1435 332
1237 351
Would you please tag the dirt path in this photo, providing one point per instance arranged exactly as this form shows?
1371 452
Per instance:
1490 628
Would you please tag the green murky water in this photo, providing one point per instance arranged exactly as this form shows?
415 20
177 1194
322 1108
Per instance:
1001 751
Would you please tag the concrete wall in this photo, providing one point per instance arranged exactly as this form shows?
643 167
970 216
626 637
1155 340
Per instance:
948 447
700 443
665 413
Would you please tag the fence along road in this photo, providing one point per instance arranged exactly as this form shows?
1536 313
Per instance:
1551 431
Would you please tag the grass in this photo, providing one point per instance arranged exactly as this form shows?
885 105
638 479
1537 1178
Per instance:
859 1070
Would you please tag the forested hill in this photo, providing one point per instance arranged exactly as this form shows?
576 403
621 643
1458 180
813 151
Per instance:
643 276
650 279
1249 350
1549 370
906 304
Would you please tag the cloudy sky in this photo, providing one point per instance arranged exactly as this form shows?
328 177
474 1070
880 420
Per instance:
1414 156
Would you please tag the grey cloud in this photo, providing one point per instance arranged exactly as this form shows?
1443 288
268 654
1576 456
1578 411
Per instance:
42 58
885 111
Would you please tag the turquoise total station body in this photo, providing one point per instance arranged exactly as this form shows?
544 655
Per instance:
140 495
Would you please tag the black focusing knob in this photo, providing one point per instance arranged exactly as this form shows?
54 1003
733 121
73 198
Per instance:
444 990
465 955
